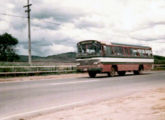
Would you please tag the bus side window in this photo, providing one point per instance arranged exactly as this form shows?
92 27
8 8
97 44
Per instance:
108 50
118 51
129 51
145 53
113 51
83 48
141 51
126 50
137 53
97 49
151 53
148 53
132 52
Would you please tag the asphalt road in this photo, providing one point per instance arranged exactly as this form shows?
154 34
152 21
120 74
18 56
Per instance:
18 98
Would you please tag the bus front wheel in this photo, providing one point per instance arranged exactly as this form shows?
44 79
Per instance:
92 74
112 72
121 73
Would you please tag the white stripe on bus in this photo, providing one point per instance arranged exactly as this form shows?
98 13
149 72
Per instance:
128 60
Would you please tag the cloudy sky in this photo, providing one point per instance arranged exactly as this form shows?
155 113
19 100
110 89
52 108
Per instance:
140 22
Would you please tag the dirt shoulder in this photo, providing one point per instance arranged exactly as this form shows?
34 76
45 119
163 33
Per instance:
58 76
146 105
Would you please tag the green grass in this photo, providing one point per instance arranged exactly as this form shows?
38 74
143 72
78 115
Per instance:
159 59
14 64
37 74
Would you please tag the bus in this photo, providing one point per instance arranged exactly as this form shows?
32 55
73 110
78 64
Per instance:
97 57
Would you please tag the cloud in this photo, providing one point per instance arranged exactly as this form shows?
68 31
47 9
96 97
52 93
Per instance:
45 24
58 13
156 32
86 22
139 22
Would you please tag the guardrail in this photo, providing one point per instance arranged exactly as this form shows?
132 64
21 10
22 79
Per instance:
159 66
31 70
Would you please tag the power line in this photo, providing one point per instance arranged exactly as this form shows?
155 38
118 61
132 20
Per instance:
11 15
52 22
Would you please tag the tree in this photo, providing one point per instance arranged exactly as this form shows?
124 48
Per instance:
7 48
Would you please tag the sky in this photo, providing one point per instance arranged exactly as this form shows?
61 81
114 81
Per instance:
57 25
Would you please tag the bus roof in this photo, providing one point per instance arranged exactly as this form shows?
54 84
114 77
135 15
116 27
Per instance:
102 42
117 44
131 45
88 41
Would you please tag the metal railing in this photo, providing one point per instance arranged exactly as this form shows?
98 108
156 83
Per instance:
159 66
17 70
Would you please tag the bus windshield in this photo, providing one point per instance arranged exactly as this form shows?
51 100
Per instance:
89 49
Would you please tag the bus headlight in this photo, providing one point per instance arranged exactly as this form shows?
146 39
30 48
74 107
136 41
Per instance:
95 63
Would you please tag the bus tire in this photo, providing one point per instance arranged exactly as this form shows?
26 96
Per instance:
138 72
92 74
121 73
112 72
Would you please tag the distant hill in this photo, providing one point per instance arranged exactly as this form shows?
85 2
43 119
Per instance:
64 57
156 57
24 58
159 59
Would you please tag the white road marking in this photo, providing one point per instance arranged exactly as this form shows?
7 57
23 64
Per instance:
42 110
35 80
19 81
49 84
75 82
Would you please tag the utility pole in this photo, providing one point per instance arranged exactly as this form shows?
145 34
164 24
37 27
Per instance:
29 31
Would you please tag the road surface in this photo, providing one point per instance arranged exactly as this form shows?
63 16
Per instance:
21 98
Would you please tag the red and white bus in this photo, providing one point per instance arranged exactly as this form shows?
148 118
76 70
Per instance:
96 57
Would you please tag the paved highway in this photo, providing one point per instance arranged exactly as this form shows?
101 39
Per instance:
19 98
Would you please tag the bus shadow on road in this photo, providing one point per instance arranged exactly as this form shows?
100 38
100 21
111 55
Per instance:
127 75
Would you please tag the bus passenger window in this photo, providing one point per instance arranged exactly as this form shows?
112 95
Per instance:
148 52
118 51
141 51
133 52
126 51
108 50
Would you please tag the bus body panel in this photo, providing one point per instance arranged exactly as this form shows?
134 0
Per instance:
126 67
106 67
147 66
122 64
102 68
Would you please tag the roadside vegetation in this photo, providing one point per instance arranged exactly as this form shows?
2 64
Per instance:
159 62
7 48
159 59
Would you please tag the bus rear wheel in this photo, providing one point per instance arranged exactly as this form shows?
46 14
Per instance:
92 74
138 72
121 73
